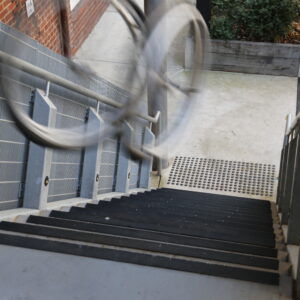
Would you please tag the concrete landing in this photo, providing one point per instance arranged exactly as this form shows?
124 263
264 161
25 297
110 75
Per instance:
239 117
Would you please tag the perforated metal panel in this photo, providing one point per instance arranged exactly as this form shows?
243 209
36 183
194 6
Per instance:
108 166
223 176
13 151
66 166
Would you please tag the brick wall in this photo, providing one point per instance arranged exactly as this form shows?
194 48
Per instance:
82 20
53 24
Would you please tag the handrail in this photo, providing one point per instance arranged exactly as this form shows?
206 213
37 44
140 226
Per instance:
293 125
50 77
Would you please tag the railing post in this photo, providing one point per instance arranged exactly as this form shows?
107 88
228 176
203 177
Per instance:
189 50
282 178
298 279
204 6
145 177
298 93
283 163
157 94
92 161
287 128
293 236
123 171
39 158
280 175
287 188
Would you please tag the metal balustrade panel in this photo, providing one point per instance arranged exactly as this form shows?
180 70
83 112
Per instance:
66 166
65 176
135 168
108 166
13 148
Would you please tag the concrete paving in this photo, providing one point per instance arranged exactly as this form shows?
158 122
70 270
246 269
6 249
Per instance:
239 117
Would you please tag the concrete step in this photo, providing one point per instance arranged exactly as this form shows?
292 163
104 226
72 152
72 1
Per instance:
217 198
208 204
191 232
180 211
141 257
174 238
142 244
171 224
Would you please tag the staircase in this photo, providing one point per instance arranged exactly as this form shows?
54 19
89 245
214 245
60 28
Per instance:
187 231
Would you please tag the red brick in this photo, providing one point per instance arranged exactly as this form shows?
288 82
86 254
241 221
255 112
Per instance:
45 24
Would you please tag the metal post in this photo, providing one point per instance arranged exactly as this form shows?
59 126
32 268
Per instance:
145 177
298 279
123 172
189 50
157 97
48 88
293 236
39 158
287 184
92 161
204 6
298 94
283 162
287 128
282 177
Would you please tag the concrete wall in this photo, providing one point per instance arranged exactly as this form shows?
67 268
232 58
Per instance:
255 58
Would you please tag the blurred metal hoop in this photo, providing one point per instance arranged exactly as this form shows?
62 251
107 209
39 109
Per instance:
155 55
77 137
149 50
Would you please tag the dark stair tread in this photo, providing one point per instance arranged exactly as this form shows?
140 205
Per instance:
154 235
213 196
212 232
199 216
142 244
150 217
255 212
231 201
141 257
226 198
179 230
191 204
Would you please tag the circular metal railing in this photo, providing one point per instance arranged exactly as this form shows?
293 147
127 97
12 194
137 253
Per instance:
153 37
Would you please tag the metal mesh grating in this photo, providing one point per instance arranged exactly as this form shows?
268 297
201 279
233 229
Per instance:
223 176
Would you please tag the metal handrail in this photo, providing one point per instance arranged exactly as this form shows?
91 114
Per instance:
50 77
293 125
